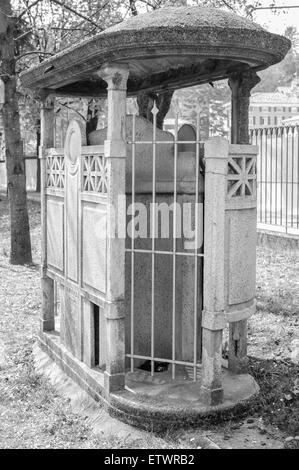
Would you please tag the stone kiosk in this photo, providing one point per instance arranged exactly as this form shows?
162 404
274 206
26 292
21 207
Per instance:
142 315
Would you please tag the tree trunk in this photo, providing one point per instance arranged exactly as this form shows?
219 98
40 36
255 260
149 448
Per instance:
91 122
38 169
15 163
146 101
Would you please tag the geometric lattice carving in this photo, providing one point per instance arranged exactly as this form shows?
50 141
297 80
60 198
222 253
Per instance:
241 177
55 171
94 174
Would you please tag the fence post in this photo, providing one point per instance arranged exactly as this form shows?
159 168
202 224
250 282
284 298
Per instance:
213 319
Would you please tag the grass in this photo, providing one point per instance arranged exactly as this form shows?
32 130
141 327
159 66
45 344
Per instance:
278 401
273 332
33 415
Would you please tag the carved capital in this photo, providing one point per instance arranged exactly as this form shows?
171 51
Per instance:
243 82
46 97
115 75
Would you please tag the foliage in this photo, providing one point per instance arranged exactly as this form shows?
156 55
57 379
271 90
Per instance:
49 26
283 73
278 401
207 100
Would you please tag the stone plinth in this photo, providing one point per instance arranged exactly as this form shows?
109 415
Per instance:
154 404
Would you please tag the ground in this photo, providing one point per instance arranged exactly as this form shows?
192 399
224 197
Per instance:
34 414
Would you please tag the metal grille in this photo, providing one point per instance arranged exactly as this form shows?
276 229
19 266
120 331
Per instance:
278 177
191 367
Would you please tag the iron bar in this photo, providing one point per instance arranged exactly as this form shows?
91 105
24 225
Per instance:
160 359
278 176
132 242
162 252
153 225
174 246
195 248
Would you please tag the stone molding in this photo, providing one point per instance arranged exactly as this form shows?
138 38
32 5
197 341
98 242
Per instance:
200 33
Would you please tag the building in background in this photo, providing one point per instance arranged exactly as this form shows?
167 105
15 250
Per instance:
273 119
271 109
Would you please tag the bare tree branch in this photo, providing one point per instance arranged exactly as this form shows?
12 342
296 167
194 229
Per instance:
82 22
75 12
33 52
66 29
23 35
228 5
26 9
133 7
72 109
154 5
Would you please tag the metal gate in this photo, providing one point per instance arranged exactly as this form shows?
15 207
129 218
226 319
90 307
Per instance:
164 275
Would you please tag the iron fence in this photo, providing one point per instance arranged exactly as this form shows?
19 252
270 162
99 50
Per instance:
278 177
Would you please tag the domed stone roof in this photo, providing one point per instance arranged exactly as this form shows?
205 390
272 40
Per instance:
185 17
165 49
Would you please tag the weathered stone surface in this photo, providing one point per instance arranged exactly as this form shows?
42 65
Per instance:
174 403
55 234
202 42
72 314
94 244
241 235
47 311
73 142
115 156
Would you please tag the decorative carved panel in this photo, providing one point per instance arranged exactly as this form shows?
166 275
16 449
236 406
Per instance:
94 174
55 233
72 150
55 171
241 177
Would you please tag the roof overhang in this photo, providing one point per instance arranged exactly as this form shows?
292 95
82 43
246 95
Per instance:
195 45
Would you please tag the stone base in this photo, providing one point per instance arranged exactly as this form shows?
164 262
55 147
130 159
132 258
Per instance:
211 397
153 403
113 383
278 241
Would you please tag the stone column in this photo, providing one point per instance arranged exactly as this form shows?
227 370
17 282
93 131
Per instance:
47 141
213 319
116 77
241 85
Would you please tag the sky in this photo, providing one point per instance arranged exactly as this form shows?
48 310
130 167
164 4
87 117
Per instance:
278 21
